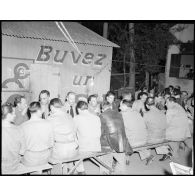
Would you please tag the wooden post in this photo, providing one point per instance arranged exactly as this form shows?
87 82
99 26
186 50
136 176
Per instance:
124 71
105 30
132 58
147 79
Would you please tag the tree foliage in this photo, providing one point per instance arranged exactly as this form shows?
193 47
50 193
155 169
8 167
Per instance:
151 42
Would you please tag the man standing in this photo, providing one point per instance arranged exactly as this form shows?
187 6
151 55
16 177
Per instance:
93 106
139 105
110 98
70 105
21 110
44 100
38 136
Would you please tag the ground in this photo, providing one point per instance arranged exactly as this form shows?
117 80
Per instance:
138 167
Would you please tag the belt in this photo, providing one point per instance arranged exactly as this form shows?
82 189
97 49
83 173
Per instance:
65 142
39 151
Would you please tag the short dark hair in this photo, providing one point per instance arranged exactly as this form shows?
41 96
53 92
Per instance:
90 97
176 91
171 86
6 109
81 105
56 102
141 94
44 91
150 101
177 87
34 107
70 92
128 103
109 93
172 99
144 88
167 93
184 92
18 99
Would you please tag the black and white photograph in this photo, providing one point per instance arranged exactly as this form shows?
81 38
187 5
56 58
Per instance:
97 97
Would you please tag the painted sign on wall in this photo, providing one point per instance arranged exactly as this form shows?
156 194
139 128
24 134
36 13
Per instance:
15 74
47 52
15 78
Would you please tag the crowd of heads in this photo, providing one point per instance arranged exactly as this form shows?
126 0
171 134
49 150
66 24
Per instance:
150 97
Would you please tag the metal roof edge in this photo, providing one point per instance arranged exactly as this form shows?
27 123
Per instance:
101 41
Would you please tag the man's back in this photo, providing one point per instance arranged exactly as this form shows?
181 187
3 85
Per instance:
65 145
135 128
38 135
113 129
11 147
88 131
156 125
178 126
63 126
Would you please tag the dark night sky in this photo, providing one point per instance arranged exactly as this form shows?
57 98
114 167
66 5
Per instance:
94 26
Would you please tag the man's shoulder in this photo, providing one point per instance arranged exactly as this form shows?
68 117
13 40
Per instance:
25 123
66 105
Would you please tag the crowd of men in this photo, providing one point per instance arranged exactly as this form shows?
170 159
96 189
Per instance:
47 129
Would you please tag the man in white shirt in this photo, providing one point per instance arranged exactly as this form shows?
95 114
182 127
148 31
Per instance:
12 142
38 136
88 127
65 145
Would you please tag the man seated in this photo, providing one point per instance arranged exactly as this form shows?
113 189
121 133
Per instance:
135 127
114 138
12 142
93 105
155 121
156 124
88 129
65 143
21 110
38 137
177 126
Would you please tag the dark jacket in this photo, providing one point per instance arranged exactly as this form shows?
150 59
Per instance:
113 129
